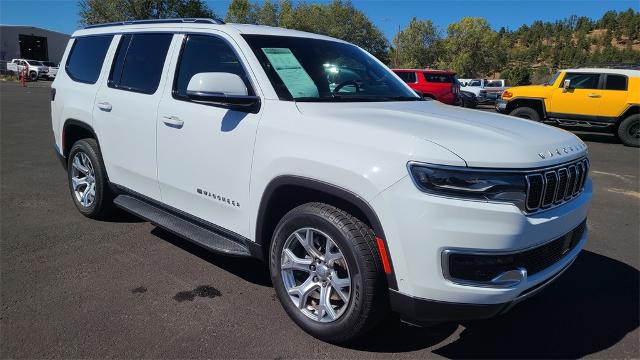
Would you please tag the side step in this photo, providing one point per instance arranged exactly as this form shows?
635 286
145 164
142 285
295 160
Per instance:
195 233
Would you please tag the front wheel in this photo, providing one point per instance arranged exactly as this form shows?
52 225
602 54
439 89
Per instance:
526 113
326 271
629 131
33 76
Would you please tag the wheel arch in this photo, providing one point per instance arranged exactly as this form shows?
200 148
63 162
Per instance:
534 103
286 192
74 130
631 110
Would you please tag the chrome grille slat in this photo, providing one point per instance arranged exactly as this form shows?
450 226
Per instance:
556 185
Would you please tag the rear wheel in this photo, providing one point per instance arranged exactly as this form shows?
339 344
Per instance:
88 180
326 272
629 131
526 113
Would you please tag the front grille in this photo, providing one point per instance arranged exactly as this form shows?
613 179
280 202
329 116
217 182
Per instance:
554 186
485 267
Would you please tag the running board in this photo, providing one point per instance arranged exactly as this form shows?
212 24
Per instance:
195 233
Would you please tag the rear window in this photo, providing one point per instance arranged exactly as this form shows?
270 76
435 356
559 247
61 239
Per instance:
86 58
439 78
407 76
616 82
139 61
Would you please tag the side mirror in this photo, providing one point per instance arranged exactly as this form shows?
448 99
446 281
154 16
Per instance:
223 90
566 85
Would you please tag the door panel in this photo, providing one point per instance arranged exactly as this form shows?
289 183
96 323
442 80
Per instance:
582 99
125 111
205 152
614 96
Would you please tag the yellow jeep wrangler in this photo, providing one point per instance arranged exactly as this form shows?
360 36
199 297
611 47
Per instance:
592 98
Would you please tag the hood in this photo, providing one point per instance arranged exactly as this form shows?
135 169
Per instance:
539 91
481 139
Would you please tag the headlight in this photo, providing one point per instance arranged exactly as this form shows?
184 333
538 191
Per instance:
469 183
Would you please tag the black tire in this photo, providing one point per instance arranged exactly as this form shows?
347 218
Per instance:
629 131
102 204
526 113
33 76
368 302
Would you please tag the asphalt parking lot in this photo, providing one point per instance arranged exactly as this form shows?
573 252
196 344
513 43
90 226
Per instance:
71 287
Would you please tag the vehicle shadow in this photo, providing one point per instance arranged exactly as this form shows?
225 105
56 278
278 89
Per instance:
605 138
251 270
588 309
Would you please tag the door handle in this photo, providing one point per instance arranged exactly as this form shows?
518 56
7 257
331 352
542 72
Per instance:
104 106
172 121
592 95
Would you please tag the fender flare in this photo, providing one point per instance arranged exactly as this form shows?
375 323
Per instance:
333 190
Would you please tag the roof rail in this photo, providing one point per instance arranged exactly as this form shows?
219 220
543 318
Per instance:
626 66
158 21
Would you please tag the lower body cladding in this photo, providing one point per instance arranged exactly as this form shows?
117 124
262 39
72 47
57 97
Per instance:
458 259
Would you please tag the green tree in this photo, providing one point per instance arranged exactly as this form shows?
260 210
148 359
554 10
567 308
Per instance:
416 46
470 47
240 11
102 11
517 75
267 14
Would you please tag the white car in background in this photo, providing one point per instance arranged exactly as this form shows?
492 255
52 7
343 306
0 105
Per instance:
53 69
36 68
486 91
307 152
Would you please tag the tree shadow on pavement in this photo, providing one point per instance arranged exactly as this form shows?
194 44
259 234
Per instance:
249 269
590 308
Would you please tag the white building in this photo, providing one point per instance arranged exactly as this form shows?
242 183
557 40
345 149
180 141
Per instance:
28 42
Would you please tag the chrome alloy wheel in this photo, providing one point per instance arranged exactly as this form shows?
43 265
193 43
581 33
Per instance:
83 179
315 275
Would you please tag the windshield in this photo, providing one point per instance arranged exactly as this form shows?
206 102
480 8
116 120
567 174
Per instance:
553 78
475 83
304 69
35 63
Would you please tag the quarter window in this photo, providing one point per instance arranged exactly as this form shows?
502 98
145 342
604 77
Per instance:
203 53
438 78
86 57
139 62
616 82
582 81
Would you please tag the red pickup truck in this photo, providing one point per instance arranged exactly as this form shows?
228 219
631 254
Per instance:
437 84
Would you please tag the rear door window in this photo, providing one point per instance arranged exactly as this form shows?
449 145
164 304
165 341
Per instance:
139 62
407 76
86 57
438 78
616 82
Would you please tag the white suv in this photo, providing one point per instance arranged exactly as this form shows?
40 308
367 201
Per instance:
307 152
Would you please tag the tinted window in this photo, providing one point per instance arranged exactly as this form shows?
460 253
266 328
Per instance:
407 76
474 83
582 81
438 78
139 62
201 53
616 82
86 58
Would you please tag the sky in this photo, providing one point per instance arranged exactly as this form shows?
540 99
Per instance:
388 15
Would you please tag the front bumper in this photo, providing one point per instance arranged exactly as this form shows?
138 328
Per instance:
501 105
419 228
424 311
